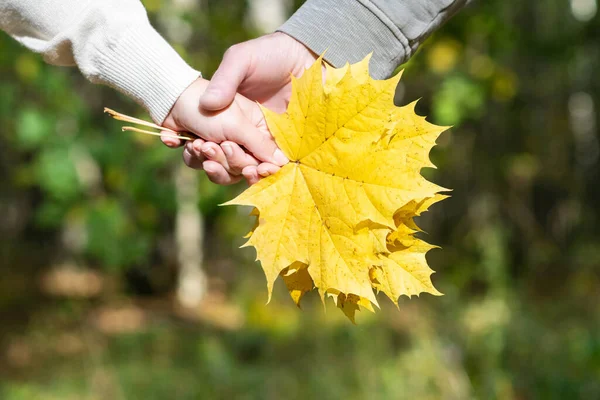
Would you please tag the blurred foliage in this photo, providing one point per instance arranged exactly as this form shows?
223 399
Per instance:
520 264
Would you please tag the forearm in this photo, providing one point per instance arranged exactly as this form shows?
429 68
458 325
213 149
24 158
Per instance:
110 41
348 30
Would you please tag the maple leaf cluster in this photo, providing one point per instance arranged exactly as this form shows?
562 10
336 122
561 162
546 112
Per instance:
339 216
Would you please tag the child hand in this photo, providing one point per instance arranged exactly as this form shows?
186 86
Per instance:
242 122
225 164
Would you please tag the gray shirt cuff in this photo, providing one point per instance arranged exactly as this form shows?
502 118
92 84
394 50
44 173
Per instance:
346 30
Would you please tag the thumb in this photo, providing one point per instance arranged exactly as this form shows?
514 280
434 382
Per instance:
225 82
257 143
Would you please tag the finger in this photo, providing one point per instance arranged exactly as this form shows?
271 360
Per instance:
192 160
224 84
217 174
192 154
195 148
259 144
266 169
170 141
251 175
237 158
214 152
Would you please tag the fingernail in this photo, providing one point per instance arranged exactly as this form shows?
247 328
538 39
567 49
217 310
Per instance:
227 149
210 152
280 158
197 145
264 174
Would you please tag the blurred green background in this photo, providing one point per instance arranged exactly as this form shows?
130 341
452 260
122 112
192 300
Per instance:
105 235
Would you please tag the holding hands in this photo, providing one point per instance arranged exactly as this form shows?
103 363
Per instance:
112 42
230 139
234 139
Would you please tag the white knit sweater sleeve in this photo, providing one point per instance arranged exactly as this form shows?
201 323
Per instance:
111 41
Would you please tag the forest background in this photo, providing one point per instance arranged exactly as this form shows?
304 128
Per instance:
121 278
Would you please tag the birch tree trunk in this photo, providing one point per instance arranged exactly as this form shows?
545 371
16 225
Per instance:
189 238
268 15
189 223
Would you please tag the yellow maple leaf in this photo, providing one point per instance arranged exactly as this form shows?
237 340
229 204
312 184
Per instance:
338 217
298 280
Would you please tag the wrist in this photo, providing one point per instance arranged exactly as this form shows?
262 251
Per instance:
311 24
302 52
188 98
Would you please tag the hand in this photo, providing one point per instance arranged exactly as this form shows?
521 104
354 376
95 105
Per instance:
240 122
260 70
224 164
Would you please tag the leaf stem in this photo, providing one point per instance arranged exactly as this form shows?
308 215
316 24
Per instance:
126 118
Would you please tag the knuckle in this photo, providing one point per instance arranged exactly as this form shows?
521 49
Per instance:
235 170
213 176
190 160
213 179
232 50
236 163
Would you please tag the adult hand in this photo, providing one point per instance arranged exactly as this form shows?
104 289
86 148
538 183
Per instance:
258 69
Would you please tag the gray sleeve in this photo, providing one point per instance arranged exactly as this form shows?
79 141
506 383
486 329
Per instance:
351 29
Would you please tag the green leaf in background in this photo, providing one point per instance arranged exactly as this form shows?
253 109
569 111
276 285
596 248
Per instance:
520 234
458 98
50 214
33 128
7 100
112 238
56 173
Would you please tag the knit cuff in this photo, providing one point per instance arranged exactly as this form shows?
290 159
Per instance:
347 30
142 65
